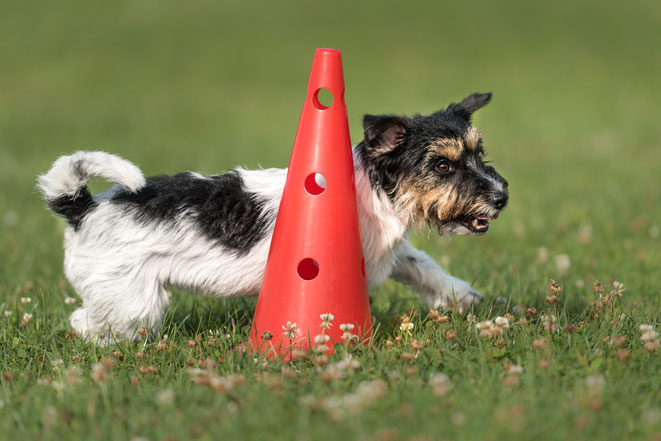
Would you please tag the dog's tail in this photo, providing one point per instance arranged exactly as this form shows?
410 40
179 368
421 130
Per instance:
64 187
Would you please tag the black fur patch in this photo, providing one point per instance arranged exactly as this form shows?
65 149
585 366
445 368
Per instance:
218 205
73 208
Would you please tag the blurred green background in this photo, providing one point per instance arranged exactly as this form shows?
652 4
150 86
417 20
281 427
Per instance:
208 85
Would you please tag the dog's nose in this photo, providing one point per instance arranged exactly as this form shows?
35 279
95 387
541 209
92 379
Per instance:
499 200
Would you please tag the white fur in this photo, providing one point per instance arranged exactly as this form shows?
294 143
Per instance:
121 267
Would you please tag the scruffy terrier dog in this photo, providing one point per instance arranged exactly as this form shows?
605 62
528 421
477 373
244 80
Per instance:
212 234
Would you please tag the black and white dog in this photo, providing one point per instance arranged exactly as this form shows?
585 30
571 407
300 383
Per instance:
212 234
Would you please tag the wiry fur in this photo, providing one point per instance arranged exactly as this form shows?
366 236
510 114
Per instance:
212 234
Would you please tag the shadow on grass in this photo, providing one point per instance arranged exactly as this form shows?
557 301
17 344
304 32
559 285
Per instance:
191 314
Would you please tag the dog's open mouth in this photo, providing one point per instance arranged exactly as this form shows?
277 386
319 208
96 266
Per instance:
478 224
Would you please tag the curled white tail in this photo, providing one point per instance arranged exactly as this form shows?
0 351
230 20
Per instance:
70 174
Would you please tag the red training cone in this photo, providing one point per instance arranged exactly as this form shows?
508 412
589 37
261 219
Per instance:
315 264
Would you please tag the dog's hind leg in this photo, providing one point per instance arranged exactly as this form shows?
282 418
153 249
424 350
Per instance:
436 288
117 303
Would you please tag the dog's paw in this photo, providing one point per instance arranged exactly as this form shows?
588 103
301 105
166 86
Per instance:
456 295
80 323
87 330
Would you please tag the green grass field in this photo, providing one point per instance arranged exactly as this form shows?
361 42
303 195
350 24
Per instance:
173 86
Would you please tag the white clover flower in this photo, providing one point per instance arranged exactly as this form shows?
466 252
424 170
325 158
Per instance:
441 384
328 317
503 322
165 397
58 363
595 383
550 322
69 300
346 327
514 369
439 378
308 400
72 374
321 348
99 373
196 372
326 320
470 318
348 337
644 328
650 335
542 254
290 330
618 289
488 328
348 363
654 231
371 390
25 300
585 233
562 263
27 317
321 339
8 313
406 327
59 386
484 325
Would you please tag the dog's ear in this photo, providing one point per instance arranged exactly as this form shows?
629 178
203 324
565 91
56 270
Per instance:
469 105
383 132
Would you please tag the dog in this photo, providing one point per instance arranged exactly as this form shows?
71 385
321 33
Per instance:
123 247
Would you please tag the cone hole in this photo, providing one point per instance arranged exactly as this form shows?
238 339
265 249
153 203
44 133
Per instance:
362 267
322 99
308 269
315 183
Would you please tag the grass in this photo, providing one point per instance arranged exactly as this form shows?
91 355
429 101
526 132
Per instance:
573 126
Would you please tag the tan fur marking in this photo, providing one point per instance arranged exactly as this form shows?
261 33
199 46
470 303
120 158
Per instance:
418 201
473 136
416 204
448 148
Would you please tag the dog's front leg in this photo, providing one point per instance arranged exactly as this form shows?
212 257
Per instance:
422 274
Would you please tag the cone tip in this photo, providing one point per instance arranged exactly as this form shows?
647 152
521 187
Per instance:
327 51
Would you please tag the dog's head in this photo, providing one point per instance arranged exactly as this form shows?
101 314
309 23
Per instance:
433 168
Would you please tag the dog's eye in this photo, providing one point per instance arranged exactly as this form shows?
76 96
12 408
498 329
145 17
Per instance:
444 166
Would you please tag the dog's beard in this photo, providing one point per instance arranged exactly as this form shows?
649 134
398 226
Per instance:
471 221
456 228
